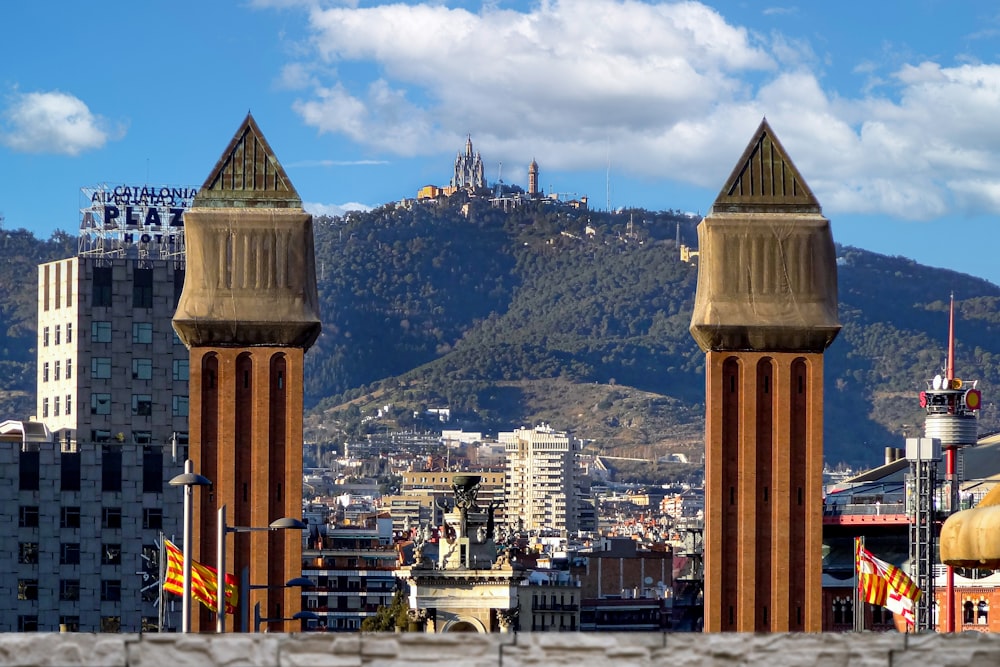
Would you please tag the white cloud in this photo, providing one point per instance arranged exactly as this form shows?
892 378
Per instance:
318 209
333 163
569 72
53 122
664 91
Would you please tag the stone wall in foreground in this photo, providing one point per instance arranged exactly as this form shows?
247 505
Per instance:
499 650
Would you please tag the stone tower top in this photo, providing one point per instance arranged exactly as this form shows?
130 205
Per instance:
251 268
767 272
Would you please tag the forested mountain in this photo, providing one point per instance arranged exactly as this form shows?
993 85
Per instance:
576 318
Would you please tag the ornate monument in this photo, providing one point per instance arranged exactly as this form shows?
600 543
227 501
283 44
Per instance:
466 587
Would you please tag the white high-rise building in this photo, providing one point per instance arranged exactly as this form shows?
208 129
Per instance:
541 485
88 505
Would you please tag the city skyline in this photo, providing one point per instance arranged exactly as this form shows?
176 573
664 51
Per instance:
370 103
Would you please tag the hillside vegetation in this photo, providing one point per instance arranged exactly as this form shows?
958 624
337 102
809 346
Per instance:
21 253
575 318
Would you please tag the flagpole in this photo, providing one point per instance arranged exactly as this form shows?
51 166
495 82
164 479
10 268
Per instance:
859 612
188 537
162 571
220 575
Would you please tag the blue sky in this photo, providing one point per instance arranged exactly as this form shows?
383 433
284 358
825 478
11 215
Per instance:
890 110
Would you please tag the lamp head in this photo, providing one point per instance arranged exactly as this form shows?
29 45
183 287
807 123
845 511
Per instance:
285 523
190 479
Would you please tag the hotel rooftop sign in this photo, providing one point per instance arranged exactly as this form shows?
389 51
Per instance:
139 221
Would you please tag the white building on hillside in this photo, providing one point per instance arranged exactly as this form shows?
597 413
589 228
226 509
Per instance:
542 480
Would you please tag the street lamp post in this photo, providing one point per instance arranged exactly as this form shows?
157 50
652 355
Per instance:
297 616
188 480
284 523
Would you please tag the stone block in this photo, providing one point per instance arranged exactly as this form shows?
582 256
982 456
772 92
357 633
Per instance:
201 650
949 650
415 649
583 649
62 650
320 650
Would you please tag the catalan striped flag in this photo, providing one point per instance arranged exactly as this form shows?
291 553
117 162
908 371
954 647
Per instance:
884 584
203 580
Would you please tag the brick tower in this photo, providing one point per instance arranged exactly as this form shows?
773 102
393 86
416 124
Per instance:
765 311
248 312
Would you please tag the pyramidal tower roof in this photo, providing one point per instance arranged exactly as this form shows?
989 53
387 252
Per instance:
248 175
765 179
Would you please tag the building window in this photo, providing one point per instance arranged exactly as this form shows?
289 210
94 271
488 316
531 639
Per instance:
28 516
69 623
142 437
181 369
111 517
111 468
69 474
100 332
149 624
100 435
69 369
180 442
45 336
45 407
69 404
111 554
103 280
27 553
983 613
142 332
111 623
100 404
55 406
150 570
111 590
180 406
142 288
28 470
152 470
69 589
58 335
968 613
152 518
69 332
100 368
27 589
142 405
27 623
142 369
45 371
55 373
69 517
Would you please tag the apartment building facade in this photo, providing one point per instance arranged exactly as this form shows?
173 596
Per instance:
542 487
90 502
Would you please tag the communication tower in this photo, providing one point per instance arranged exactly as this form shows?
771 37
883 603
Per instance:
952 408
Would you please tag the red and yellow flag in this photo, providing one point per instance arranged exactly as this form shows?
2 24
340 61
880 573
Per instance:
203 580
884 584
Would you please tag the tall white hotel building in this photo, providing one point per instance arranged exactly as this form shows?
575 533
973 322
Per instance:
542 482
86 509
